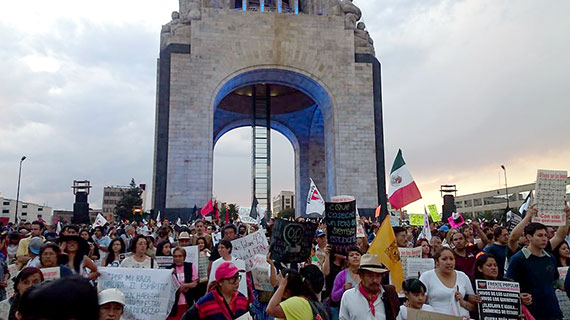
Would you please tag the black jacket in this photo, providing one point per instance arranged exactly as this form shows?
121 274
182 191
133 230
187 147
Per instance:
189 294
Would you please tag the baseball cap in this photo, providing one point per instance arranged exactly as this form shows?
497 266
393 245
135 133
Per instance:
111 295
226 270
319 233
36 244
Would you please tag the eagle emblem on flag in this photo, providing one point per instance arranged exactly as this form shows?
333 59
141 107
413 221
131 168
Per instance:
392 252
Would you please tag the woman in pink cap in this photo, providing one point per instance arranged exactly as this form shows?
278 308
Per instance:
224 302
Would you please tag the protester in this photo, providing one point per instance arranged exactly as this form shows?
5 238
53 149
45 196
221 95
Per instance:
203 255
113 258
23 281
426 248
34 247
401 234
200 232
225 250
435 243
562 254
76 250
446 287
347 278
499 248
320 248
164 248
229 233
415 292
139 257
23 246
184 239
536 272
187 275
111 304
465 254
224 301
4 276
49 258
370 299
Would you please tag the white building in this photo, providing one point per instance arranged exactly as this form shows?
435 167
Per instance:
284 200
26 211
112 195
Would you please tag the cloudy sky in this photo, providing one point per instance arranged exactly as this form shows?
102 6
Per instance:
467 86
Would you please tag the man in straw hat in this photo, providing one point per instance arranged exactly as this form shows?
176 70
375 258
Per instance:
370 300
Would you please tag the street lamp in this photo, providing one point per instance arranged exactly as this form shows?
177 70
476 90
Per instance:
506 194
18 193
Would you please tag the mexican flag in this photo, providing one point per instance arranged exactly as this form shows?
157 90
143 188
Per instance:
402 189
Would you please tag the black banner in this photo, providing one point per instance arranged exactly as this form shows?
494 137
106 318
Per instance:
500 300
291 241
341 225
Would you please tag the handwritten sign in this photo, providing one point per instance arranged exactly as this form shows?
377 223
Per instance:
149 293
341 225
164 262
415 314
417 266
291 241
435 216
499 299
13 270
216 237
192 253
261 273
563 300
203 263
247 247
416 219
550 196
394 221
406 253
51 273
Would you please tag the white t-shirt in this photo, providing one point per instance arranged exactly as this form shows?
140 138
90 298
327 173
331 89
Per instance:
240 264
354 306
442 298
403 315
130 262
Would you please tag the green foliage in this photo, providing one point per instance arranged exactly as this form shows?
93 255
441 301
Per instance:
130 198
286 214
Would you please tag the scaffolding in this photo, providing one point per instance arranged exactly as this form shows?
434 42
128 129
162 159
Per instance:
261 145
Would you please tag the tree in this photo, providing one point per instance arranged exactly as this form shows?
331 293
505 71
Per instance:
130 199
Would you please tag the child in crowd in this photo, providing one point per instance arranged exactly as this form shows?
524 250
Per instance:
415 292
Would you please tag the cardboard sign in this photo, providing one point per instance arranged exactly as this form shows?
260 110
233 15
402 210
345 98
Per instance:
435 216
394 221
261 274
291 241
164 262
247 247
192 253
456 220
563 300
341 225
51 273
550 196
417 266
416 219
500 299
406 253
415 314
13 270
149 293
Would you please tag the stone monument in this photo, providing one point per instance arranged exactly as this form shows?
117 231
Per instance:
314 63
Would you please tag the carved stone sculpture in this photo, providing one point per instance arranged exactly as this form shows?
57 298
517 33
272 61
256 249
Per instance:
351 14
363 43
175 30
191 10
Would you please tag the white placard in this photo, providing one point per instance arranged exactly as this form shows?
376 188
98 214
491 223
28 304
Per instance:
261 273
417 266
192 253
216 237
549 197
149 293
406 253
51 273
247 247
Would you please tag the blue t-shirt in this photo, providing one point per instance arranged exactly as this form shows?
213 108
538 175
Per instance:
500 253
537 276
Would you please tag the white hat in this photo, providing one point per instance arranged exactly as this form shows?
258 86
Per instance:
111 295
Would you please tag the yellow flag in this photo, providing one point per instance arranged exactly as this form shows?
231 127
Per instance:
384 246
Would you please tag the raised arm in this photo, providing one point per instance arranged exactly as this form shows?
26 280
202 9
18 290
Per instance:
519 229
562 231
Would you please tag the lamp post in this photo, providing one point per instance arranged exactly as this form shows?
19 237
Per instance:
18 193
506 194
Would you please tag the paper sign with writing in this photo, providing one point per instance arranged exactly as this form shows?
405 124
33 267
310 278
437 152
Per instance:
51 273
563 300
203 263
406 253
291 241
164 262
415 314
549 197
341 225
417 266
261 273
499 299
216 237
192 253
149 293
13 270
394 221
416 219
247 247
435 216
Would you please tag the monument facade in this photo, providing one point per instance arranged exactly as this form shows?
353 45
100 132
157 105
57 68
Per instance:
314 63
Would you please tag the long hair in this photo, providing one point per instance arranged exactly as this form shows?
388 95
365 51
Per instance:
557 254
161 245
481 260
111 255
298 285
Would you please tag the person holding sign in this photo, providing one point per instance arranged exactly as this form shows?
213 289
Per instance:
116 249
187 275
224 301
139 259
446 287
49 257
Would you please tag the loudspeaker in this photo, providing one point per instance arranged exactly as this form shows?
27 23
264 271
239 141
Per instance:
448 206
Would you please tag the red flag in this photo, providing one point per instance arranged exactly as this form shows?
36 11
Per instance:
207 209
378 211
227 220
216 212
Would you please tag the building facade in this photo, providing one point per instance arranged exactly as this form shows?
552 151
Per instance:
495 201
284 200
26 211
112 195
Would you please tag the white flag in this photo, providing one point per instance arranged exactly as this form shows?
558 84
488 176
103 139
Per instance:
179 222
158 223
315 202
100 221
58 228
426 231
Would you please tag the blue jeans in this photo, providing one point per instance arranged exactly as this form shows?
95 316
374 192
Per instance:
334 313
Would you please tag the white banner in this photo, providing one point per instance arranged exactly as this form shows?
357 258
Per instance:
149 293
192 253
315 202
247 247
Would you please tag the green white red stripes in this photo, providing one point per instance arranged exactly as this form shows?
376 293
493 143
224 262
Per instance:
402 190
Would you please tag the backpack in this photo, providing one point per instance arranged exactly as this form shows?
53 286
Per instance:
319 312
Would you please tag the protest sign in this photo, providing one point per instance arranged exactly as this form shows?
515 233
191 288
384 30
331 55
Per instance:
550 196
563 300
435 216
415 314
416 219
291 241
245 316
164 262
394 221
341 225
456 220
13 270
499 299
203 263
216 237
406 253
261 273
51 273
149 293
192 253
247 247
417 266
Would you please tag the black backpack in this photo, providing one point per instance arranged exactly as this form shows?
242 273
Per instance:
319 311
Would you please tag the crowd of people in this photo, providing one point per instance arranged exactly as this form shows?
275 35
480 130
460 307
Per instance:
328 285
